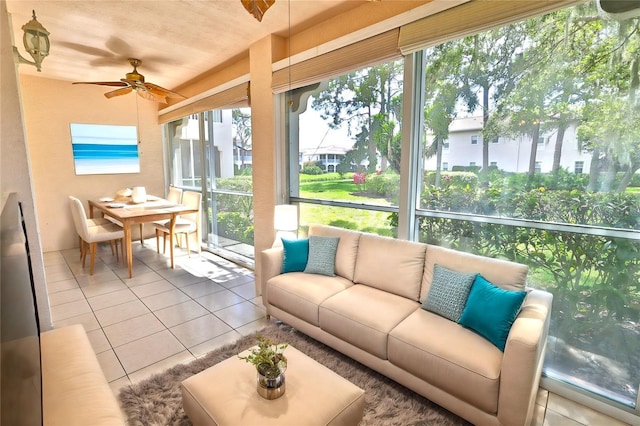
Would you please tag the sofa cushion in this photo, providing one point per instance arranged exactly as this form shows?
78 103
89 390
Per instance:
363 316
392 265
448 292
490 311
347 247
294 255
448 356
504 274
322 255
300 294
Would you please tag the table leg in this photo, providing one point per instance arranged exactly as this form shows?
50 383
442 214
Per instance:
126 227
172 225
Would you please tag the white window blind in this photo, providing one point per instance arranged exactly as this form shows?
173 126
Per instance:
237 96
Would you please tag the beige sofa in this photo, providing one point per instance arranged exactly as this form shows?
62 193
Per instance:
74 389
371 311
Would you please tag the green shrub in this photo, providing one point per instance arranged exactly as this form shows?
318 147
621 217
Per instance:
384 185
312 170
235 226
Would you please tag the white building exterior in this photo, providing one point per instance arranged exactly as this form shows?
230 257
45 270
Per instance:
464 148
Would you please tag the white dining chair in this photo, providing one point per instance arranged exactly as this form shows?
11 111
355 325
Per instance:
185 224
92 235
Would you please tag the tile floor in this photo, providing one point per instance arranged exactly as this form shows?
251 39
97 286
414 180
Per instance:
162 316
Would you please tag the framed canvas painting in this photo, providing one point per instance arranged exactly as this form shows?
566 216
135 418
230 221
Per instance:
100 149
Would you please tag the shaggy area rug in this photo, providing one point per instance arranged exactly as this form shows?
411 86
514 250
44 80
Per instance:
158 400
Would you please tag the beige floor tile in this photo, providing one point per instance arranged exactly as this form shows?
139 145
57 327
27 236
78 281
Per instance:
243 313
180 313
148 350
169 273
185 280
235 280
258 302
59 276
220 300
542 397
117 385
247 291
53 258
199 330
56 269
183 357
114 298
132 329
110 365
152 288
538 415
88 321
217 342
165 299
121 312
93 290
66 296
578 412
552 418
141 278
98 341
139 269
97 278
201 289
54 287
68 310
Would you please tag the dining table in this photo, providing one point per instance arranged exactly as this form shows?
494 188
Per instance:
128 213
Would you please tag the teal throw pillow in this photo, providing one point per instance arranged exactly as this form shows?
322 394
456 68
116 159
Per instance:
448 292
322 255
490 311
295 254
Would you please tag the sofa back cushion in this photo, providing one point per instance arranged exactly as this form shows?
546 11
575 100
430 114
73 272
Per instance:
503 273
347 247
392 265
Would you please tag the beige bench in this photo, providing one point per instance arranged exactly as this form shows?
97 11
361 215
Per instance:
74 389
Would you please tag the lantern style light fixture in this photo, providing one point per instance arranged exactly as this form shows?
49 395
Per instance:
36 43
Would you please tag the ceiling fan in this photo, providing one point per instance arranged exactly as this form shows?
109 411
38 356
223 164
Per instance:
135 81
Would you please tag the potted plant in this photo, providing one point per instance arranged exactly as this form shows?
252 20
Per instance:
270 363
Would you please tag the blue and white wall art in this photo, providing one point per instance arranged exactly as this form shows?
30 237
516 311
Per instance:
100 149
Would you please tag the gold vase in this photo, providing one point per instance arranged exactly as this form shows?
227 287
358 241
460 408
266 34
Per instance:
271 388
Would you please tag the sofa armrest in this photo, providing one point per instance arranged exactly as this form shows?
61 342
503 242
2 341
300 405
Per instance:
271 259
523 358
74 389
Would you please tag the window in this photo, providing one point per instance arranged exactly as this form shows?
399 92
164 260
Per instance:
532 209
366 173
219 164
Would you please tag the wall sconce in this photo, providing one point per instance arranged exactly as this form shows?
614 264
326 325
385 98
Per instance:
36 43
285 222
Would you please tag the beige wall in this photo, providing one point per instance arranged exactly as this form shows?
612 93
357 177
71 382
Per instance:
49 107
15 165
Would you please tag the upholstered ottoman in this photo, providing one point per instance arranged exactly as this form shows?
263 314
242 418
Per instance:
225 394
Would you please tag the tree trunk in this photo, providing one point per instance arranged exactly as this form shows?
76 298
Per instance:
594 170
626 179
557 153
438 160
535 135
610 176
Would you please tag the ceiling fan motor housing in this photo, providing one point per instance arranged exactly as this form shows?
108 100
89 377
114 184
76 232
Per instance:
134 75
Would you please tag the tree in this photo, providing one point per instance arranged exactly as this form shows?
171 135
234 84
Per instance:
368 100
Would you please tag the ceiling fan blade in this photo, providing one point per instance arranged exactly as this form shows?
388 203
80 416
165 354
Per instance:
103 83
143 93
118 92
161 91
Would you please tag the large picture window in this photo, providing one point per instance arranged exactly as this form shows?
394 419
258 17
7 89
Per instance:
528 150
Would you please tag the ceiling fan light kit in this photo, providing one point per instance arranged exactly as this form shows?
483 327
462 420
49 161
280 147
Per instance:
36 43
257 7
135 81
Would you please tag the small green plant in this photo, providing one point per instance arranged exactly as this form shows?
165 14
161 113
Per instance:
268 358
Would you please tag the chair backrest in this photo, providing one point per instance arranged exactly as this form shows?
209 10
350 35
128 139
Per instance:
174 195
79 217
194 200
